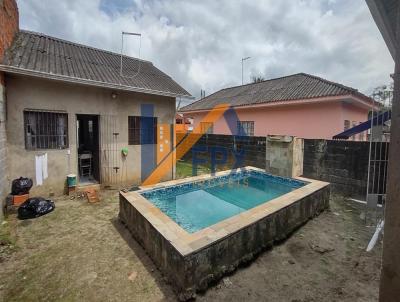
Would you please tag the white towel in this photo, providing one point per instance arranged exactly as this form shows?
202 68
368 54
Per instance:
41 168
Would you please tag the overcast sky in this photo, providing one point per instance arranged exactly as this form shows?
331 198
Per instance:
200 43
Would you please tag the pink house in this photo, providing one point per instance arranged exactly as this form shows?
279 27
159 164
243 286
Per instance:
299 105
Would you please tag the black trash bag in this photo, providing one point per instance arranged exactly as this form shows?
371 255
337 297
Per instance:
35 207
21 186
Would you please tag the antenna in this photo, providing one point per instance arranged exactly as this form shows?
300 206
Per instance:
244 59
122 49
179 103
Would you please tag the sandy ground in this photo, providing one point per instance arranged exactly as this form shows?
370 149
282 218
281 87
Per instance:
80 252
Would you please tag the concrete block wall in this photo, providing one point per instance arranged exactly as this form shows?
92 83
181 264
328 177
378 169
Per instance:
253 148
342 163
281 155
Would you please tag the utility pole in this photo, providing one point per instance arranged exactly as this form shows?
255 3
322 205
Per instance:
244 59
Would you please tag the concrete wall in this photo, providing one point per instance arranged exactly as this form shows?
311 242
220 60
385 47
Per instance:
4 183
284 156
32 93
298 156
342 163
320 120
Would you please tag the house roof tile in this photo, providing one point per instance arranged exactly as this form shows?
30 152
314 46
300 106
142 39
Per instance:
289 88
42 55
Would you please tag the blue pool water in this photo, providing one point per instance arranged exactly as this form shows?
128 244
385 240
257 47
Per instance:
197 205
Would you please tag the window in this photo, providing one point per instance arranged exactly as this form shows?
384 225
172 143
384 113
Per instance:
245 128
206 128
45 130
142 130
346 125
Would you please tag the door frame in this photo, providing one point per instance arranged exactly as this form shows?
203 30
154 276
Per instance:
98 133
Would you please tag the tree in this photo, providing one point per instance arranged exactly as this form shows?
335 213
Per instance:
383 94
257 79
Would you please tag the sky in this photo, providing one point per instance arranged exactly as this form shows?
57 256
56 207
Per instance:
200 44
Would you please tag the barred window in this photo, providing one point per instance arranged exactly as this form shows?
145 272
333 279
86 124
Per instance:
142 130
245 128
206 128
45 130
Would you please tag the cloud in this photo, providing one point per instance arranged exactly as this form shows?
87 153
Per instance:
201 43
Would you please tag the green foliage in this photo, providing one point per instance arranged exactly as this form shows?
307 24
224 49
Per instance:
383 94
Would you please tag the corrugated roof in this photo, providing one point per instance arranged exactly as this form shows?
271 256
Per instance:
41 55
289 88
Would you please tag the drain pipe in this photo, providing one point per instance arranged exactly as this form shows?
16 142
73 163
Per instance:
374 239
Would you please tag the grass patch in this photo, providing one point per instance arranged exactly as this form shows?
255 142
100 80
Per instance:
7 240
6 237
184 169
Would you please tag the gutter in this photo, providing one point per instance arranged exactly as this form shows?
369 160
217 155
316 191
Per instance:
68 79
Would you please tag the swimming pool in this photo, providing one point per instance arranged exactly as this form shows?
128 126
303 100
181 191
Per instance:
198 229
201 204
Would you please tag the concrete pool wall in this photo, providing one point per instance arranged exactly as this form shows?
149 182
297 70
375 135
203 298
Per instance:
192 261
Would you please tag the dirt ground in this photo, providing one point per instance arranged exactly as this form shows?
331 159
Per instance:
80 252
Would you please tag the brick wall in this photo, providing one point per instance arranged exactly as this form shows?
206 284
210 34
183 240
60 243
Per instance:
342 163
8 23
8 28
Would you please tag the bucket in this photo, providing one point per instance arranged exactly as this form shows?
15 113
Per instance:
71 180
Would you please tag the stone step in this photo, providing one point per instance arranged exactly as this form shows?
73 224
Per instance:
84 188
